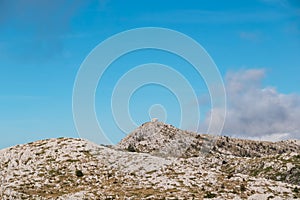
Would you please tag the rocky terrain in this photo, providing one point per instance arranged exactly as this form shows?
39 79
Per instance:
155 161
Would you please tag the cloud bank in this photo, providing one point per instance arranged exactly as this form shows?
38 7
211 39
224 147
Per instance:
257 112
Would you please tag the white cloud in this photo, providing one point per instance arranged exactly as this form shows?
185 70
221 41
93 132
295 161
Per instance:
273 137
257 112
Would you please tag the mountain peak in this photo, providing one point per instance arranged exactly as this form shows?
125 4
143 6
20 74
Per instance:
158 138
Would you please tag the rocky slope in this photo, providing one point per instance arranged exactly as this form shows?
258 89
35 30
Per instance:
164 139
156 161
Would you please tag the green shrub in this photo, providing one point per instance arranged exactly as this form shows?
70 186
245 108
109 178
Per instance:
243 188
79 173
229 176
131 148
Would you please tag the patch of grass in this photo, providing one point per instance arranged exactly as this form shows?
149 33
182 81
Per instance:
234 191
297 156
151 172
53 172
255 172
72 160
40 153
267 169
51 160
209 195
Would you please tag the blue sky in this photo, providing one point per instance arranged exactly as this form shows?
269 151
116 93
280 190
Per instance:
255 45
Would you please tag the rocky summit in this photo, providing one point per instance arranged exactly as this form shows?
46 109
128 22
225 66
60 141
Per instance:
155 161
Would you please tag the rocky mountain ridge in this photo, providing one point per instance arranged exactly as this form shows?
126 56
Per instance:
156 161
159 138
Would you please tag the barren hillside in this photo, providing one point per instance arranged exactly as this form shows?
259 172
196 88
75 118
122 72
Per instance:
155 161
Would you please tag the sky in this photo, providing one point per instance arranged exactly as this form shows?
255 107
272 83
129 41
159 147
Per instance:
254 43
